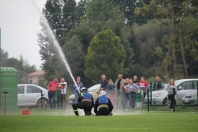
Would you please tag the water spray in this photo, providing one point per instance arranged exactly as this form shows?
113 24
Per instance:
55 43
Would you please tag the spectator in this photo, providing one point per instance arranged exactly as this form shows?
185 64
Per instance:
172 91
52 88
110 90
157 84
104 82
103 105
119 91
127 95
135 79
133 88
78 87
144 84
63 89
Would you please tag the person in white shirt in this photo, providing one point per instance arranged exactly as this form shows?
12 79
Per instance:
132 88
172 91
63 89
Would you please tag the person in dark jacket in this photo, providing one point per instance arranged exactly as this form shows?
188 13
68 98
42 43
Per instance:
77 88
85 102
103 105
157 84
104 81
110 90
135 80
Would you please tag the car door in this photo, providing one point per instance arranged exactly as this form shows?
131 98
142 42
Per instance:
183 89
32 95
21 95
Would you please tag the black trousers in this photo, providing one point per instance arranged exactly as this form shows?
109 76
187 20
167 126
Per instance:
173 101
103 112
133 98
86 106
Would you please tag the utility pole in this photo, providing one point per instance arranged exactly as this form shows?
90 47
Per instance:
175 20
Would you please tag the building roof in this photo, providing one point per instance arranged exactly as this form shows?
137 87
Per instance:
37 73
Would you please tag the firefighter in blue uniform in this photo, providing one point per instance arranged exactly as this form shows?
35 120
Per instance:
103 105
85 102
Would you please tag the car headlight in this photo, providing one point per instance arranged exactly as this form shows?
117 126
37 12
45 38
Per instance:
158 95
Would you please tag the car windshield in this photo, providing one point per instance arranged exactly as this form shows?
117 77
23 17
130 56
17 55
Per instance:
177 82
165 86
93 88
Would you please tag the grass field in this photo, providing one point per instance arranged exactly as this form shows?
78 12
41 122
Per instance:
57 121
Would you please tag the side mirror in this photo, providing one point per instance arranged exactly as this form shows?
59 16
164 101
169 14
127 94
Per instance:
179 88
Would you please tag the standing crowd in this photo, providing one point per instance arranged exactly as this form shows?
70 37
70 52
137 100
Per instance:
120 95
123 92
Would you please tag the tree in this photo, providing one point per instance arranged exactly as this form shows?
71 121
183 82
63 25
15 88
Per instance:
4 57
62 16
80 10
189 29
48 54
84 33
127 7
75 56
106 55
147 38
173 10
23 68
53 13
69 12
101 15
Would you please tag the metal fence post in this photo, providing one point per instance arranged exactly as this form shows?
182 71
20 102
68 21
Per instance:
151 89
148 102
41 99
197 93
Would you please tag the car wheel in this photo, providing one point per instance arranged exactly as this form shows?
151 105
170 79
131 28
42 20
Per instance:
44 104
165 102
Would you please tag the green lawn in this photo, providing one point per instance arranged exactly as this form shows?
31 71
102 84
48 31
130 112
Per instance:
55 121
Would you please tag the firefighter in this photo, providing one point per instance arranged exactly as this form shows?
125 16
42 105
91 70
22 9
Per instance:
103 105
85 102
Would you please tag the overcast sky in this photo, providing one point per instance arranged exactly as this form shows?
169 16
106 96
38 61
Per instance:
19 23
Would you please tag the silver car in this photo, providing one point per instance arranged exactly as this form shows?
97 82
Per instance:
30 95
190 98
184 86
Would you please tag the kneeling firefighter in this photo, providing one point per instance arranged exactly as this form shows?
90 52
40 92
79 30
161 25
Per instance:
85 102
103 104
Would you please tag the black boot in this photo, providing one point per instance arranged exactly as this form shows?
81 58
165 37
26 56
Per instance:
87 113
76 112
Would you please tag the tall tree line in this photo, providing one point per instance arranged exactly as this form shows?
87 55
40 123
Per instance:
21 65
152 39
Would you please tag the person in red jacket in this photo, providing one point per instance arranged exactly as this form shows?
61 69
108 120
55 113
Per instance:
52 88
143 83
